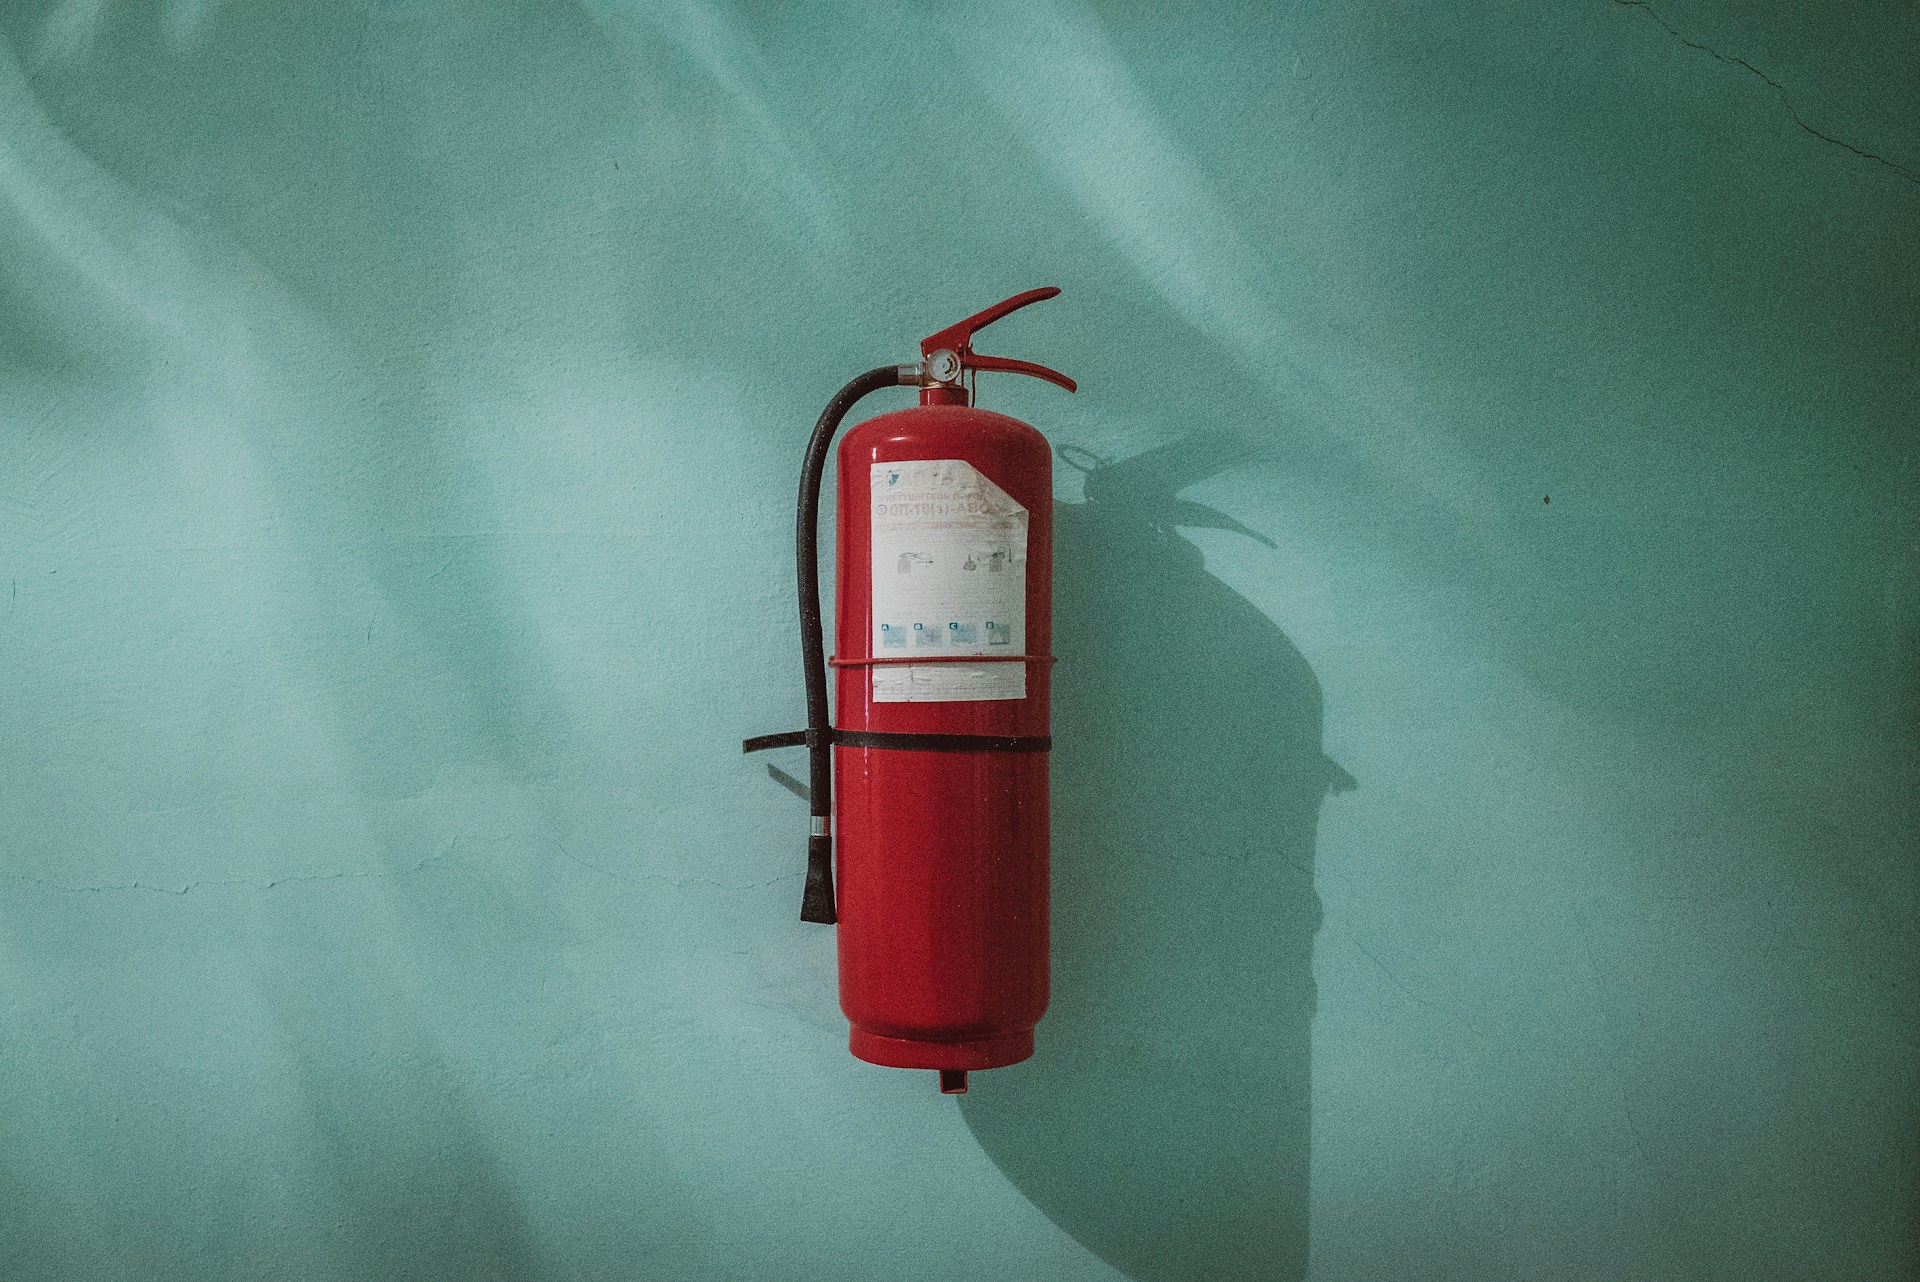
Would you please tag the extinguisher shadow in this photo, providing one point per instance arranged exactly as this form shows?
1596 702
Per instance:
1163 1121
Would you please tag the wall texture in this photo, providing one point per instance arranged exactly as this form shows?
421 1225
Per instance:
1488 709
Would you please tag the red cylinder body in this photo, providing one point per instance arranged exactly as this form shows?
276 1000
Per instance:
942 855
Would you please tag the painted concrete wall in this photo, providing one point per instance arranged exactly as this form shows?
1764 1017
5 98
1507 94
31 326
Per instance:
399 408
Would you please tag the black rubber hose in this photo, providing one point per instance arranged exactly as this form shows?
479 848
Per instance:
817 900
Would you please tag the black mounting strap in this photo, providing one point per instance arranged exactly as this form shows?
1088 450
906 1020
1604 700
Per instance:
943 742
785 739
907 742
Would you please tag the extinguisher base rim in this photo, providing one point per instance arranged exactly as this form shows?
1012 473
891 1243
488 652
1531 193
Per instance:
973 1053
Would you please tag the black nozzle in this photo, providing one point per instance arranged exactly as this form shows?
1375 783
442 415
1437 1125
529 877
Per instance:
953 1081
816 901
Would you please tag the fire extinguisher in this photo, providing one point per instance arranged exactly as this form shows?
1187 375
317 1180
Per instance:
936 764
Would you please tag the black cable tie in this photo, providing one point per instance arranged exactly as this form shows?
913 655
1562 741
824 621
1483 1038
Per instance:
785 739
943 742
905 742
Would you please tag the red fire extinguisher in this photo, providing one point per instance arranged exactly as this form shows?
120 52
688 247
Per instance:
936 763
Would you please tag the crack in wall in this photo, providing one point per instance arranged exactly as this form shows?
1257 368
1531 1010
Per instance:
190 886
1780 90
679 883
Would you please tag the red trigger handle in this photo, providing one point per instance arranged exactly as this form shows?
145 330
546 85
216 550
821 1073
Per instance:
958 339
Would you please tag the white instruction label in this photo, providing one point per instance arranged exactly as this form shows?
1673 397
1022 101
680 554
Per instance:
949 578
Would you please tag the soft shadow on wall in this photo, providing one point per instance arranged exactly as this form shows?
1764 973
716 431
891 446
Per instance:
1163 1120
397 1144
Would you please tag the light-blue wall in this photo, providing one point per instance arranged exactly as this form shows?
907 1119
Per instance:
400 405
